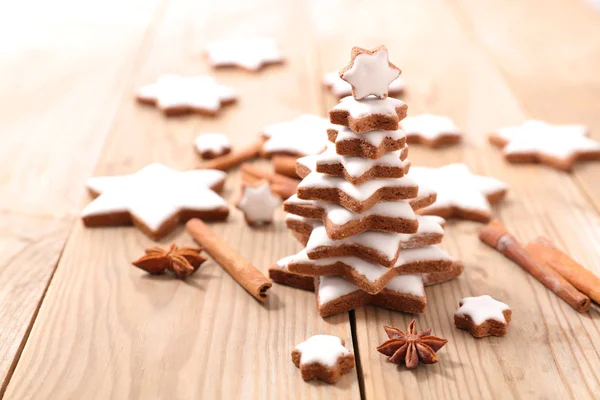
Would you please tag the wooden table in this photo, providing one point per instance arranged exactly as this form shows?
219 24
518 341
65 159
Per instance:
78 322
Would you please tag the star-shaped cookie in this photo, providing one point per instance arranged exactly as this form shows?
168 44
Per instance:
483 316
155 199
258 204
176 95
249 53
558 146
370 72
371 277
430 130
336 295
212 145
302 136
341 88
460 193
323 357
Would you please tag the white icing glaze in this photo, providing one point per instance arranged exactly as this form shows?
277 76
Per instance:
195 92
304 135
429 126
248 53
456 186
369 106
359 192
340 215
482 308
371 271
283 263
371 74
375 138
407 284
155 193
386 243
292 217
334 287
341 88
560 141
357 166
258 203
212 142
322 349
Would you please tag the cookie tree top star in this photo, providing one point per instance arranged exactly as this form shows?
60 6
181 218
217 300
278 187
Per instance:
370 72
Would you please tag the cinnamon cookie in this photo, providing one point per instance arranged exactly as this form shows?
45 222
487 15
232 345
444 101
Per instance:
368 114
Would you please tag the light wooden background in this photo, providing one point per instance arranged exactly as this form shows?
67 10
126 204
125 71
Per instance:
78 322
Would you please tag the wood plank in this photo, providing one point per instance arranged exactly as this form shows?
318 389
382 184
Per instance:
550 61
550 349
107 330
59 91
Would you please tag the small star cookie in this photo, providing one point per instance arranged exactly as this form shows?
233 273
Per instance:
341 88
430 130
323 357
250 54
176 95
483 316
302 136
460 193
155 199
212 145
258 204
370 72
558 146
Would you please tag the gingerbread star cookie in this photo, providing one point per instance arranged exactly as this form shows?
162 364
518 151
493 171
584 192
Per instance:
341 88
155 199
302 136
431 130
370 277
323 357
336 295
558 146
357 170
368 114
483 316
258 204
394 216
176 95
250 54
359 198
212 145
370 72
460 193
371 145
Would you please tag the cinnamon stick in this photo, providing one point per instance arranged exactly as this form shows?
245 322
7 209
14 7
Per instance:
582 278
495 235
285 165
240 269
234 158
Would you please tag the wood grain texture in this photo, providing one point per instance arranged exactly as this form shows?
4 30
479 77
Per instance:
62 76
447 72
108 330
550 62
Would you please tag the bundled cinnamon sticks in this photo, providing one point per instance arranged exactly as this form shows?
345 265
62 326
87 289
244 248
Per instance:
544 262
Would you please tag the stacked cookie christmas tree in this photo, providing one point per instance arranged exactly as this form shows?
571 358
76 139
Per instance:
355 207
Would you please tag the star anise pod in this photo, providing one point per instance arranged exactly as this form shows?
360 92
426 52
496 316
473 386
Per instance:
411 347
182 261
